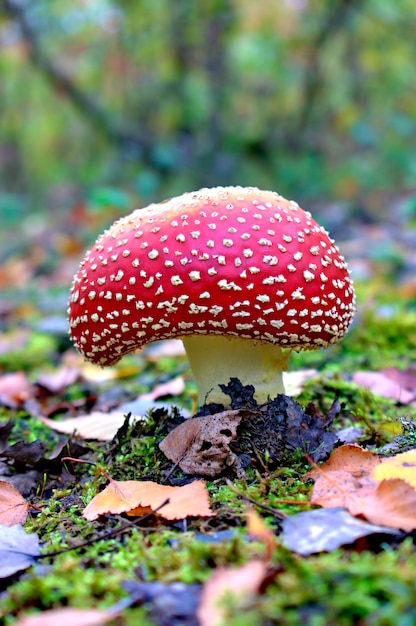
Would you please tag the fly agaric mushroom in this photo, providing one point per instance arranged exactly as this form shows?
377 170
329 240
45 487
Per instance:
238 274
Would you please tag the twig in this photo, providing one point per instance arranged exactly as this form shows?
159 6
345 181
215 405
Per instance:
107 535
270 509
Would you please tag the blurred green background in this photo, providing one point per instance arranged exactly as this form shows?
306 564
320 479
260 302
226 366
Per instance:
106 105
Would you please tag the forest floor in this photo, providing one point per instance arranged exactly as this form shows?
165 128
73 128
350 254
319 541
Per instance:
157 569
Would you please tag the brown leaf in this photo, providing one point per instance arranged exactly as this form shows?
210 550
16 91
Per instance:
67 617
242 582
15 389
257 529
346 472
13 507
201 445
392 504
347 480
131 496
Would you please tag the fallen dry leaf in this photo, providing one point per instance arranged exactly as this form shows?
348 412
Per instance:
103 426
399 466
346 472
325 530
164 348
56 381
15 389
241 582
201 445
13 507
134 498
96 425
405 378
347 480
257 529
393 504
66 617
18 549
386 384
172 387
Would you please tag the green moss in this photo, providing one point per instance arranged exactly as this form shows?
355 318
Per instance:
39 348
341 588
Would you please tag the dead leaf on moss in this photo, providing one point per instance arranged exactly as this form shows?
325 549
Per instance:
346 473
15 389
201 445
257 529
347 480
325 530
14 509
18 550
55 382
136 498
241 582
67 617
387 384
96 425
173 387
399 466
393 504
103 426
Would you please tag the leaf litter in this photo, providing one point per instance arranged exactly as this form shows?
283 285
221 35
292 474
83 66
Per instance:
292 428
369 486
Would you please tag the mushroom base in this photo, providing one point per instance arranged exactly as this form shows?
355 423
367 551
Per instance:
215 359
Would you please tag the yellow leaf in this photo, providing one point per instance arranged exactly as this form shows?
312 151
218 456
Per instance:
135 498
400 466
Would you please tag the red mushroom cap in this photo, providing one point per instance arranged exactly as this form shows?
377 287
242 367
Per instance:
230 260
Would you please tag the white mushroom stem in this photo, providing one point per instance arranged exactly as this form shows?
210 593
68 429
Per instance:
214 359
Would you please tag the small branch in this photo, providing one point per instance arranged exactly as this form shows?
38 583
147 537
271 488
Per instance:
267 508
107 535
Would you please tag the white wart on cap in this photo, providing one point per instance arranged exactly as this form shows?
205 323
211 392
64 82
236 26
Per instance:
237 273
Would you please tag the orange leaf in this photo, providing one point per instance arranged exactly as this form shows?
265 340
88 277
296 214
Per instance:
127 496
257 529
346 473
392 504
67 617
244 581
13 507
348 480
400 466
